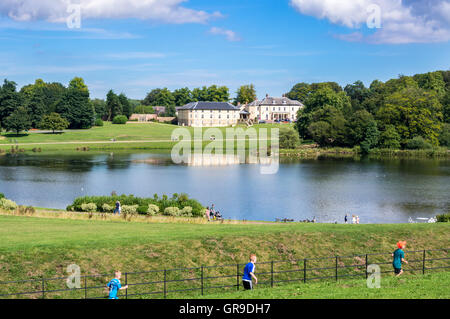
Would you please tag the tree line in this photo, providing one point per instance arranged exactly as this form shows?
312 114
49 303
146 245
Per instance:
53 106
405 112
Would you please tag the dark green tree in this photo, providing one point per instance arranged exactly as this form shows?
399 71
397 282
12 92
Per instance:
10 100
18 121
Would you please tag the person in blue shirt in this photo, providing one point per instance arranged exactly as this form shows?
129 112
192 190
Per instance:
249 273
114 286
399 257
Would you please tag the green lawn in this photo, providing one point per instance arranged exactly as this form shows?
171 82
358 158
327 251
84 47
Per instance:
144 135
435 286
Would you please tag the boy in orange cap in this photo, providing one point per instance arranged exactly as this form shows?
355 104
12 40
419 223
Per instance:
399 257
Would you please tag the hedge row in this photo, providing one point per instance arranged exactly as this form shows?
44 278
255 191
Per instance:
444 218
105 204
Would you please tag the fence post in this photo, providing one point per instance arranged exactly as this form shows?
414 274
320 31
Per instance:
43 288
165 283
336 268
271 274
304 270
367 274
126 283
237 276
85 287
423 264
202 280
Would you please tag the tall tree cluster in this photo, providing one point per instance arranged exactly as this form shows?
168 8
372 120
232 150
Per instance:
386 114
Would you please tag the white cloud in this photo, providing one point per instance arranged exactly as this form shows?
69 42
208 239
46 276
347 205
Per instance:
407 21
230 35
169 11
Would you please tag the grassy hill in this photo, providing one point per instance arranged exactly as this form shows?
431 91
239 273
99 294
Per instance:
33 247
141 135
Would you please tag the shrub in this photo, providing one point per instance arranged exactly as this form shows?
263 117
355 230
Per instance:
2 195
418 143
444 137
98 122
444 218
7 204
289 138
161 202
142 209
186 211
129 209
172 211
89 207
107 208
152 210
120 119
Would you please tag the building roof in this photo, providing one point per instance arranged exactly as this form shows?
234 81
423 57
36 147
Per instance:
209 106
278 101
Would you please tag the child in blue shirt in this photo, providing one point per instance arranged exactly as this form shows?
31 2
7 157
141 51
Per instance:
399 257
114 286
249 273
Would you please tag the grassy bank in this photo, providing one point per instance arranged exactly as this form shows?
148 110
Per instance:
157 136
428 286
35 247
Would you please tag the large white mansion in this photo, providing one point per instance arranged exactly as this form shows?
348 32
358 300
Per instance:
273 108
216 114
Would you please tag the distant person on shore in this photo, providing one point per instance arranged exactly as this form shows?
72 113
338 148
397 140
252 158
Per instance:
357 219
118 208
212 212
353 219
399 258
249 273
346 218
207 212
114 286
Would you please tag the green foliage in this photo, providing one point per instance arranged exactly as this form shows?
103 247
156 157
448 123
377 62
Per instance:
76 107
120 119
172 211
387 115
89 207
389 138
18 121
98 122
186 211
144 109
245 94
155 204
53 122
418 143
107 208
2 195
443 218
152 209
113 105
7 204
10 100
129 209
444 136
289 138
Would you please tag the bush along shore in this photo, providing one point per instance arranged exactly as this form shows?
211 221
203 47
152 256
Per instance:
179 205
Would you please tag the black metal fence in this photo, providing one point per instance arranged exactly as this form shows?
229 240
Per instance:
185 282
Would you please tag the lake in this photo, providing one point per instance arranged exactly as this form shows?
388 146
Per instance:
379 191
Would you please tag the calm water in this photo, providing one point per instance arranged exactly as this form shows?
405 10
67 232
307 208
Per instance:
377 191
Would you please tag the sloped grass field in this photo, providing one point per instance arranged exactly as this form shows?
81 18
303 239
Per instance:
32 248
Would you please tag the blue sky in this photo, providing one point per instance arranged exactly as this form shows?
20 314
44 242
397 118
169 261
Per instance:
173 43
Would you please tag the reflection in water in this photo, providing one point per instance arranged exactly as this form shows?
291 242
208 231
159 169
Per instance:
376 190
